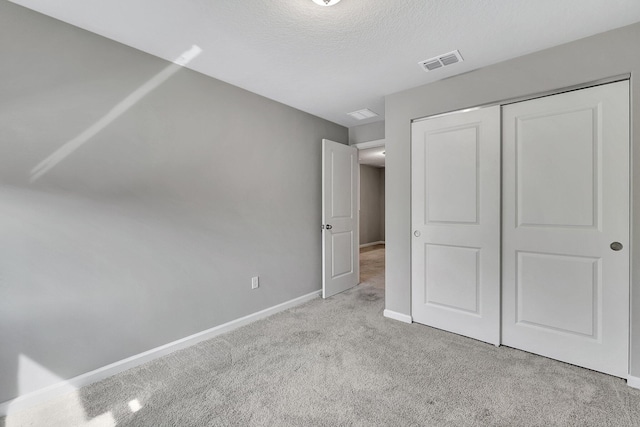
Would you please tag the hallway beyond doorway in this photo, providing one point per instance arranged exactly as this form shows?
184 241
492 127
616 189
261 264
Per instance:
372 263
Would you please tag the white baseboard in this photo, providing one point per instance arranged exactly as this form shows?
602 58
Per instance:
397 316
63 387
633 382
364 245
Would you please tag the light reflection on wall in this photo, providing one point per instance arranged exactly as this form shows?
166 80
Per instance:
69 147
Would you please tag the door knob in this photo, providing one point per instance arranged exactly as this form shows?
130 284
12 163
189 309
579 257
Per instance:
329 226
616 246
416 233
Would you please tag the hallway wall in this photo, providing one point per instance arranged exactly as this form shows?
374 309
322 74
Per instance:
371 204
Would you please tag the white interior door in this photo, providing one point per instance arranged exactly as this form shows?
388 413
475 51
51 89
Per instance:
456 223
340 241
565 200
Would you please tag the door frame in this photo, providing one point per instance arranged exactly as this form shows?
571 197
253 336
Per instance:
598 82
370 144
364 146
529 97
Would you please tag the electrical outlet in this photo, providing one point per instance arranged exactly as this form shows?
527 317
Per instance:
255 282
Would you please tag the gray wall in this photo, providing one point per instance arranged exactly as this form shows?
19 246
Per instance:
605 55
367 132
371 204
152 230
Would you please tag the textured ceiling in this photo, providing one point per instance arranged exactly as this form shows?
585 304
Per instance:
332 60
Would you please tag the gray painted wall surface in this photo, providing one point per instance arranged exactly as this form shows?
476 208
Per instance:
366 132
371 204
605 55
152 230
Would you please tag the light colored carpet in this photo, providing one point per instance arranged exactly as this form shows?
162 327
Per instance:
339 362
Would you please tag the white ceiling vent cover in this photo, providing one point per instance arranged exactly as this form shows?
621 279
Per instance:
363 114
441 61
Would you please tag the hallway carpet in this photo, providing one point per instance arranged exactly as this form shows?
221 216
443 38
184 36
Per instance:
372 262
339 362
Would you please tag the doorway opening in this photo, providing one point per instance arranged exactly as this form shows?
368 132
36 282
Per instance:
371 212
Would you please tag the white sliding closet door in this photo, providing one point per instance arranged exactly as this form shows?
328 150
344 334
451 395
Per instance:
456 223
565 204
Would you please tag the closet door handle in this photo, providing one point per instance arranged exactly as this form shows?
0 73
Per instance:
616 246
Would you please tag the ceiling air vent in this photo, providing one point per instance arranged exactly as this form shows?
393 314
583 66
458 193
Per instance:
441 61
363 114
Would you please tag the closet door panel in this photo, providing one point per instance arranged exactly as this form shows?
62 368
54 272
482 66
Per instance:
456 223
565 201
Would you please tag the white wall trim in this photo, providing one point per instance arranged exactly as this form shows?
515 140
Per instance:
397 316
633 382
63 387
380 242
369 144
